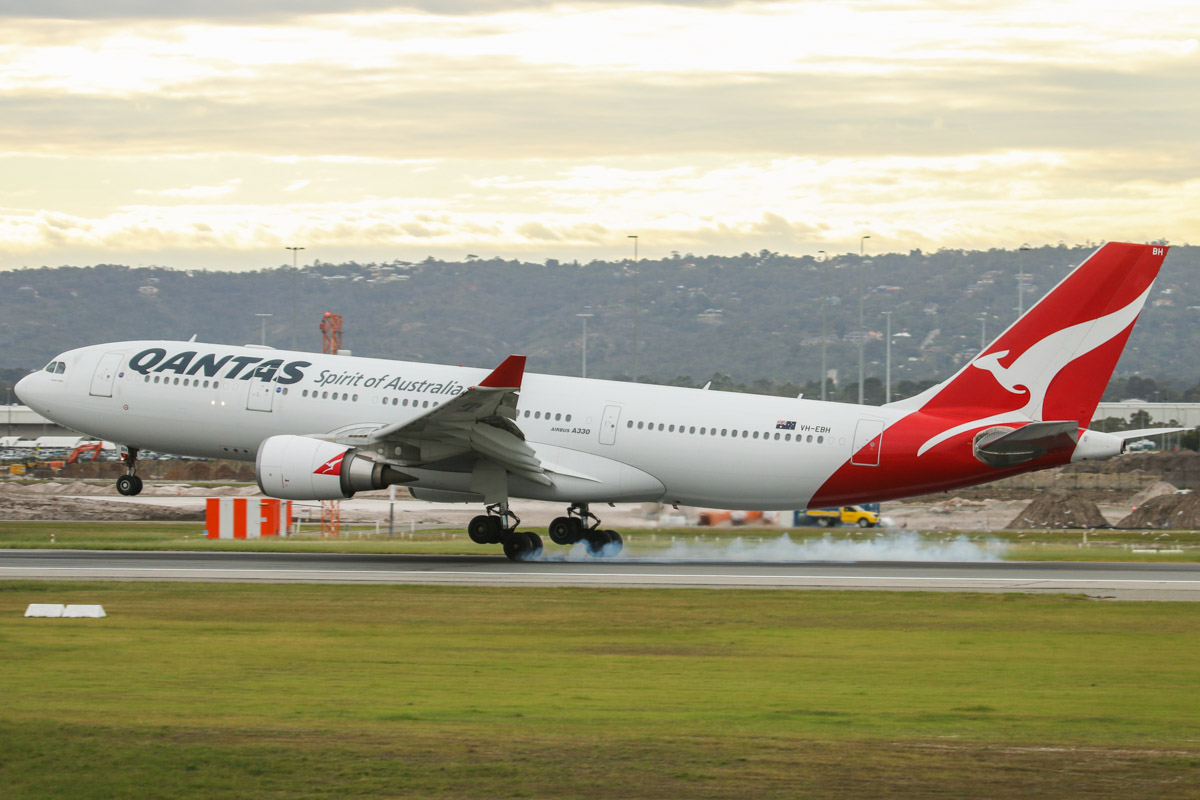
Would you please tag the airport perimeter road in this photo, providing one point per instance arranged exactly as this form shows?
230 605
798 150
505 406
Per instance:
1116 581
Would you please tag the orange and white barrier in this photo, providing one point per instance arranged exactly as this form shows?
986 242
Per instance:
246 518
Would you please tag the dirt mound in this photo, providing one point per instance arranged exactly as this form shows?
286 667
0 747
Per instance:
1059 510
1155 490
1181 468
180 470
1166 511
41 507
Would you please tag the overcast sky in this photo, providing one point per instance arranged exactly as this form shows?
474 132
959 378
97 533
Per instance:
214 134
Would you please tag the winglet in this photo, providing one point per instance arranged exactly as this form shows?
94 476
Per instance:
506 376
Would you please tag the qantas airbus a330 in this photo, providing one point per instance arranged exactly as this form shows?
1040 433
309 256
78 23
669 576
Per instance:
322 427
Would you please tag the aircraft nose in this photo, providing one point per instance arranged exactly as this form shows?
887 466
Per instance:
26 389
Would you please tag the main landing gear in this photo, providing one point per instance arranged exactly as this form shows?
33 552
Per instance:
581 525
499 526
494 528
129 484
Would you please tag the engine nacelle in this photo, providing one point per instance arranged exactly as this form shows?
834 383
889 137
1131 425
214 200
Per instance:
303 468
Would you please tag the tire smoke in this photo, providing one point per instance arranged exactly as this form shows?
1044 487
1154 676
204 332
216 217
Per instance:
899 546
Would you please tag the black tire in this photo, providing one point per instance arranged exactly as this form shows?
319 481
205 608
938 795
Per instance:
562 531
137 485
479 529
596 542
825 522
514 547
128 485
535 546
522 545
864 523
616 546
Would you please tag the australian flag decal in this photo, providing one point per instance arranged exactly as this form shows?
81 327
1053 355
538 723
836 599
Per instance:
785 425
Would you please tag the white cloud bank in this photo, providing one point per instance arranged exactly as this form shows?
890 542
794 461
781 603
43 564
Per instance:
543 131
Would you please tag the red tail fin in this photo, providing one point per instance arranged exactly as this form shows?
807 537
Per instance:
1055 361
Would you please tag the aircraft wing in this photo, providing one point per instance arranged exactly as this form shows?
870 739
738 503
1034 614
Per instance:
479 421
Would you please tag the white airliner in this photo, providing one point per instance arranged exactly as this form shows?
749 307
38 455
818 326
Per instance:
324 427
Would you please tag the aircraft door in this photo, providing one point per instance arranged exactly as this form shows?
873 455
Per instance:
608 424
105 374
868 441
261 396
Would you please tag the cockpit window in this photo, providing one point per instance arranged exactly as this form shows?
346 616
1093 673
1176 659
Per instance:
50 367
61 368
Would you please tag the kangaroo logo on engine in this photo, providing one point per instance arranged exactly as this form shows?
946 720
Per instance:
210 365
331 467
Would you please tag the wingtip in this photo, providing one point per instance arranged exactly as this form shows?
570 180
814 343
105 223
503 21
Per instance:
506 376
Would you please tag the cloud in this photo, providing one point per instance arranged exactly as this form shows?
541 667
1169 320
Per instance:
196 192
223 10
518 127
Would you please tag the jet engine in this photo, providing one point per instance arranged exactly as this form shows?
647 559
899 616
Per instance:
304 468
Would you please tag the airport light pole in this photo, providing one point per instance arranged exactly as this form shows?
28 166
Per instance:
584 318
295 280
824 311
636 304
862 334
1021 279
887 370
263 318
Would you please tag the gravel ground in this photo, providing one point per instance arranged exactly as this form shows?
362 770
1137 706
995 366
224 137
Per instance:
80 500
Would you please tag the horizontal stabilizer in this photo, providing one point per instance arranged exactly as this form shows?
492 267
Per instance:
1002 446
1145 432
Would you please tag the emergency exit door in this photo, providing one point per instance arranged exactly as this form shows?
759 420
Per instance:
868 441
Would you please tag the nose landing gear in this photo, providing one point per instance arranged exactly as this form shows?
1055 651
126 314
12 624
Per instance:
129 484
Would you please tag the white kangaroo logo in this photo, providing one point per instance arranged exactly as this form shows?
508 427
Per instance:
1034 369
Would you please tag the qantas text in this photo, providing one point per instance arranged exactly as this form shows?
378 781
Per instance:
210 365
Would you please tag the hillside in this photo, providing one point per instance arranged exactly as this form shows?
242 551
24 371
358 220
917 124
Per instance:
753 321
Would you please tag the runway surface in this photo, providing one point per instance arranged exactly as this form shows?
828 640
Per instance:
1116 581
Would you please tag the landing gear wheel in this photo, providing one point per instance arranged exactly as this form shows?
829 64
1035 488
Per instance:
522 546
129 485
564 530
617 544
597 543
535 546
484 530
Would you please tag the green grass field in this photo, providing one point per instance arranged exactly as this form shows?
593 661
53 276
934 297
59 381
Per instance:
1106 545
197 690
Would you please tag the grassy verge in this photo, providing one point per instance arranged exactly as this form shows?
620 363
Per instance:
331 691
1011 545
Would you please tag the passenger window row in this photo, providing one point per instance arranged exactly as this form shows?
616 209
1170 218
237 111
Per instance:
327 396
546 415
692 430
396 401
194 382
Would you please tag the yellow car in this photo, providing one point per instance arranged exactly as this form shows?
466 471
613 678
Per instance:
846 515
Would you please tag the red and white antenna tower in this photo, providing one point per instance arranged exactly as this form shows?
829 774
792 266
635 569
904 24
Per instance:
331 342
